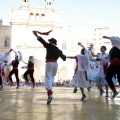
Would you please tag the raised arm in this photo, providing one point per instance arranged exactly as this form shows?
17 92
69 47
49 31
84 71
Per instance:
15 52
5 55
20 56
40 39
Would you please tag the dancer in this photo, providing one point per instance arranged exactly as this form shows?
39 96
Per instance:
114 67
3 57
100 75
14 70
4 72
52 55
80 76
30 70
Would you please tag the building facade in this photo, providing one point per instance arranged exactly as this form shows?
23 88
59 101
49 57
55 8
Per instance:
5 38
27 18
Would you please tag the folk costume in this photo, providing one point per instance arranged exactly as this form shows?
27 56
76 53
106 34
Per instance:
52 55
30 70
3 68
80 76
114 67
15 64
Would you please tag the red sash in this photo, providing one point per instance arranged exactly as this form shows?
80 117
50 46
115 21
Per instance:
50 60
15 68
30 68
3 74
115 62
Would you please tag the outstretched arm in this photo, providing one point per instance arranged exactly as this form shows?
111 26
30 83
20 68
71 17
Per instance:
23 61
106 37
24 67
71 57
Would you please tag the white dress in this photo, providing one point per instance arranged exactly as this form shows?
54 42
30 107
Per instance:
92 70
99 77
80 76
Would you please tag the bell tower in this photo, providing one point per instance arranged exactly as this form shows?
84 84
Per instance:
49 4
25 2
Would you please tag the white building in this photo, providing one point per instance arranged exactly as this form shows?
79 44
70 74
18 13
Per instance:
27 18
98 40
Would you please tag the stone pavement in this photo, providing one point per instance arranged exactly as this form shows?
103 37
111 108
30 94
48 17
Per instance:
30 104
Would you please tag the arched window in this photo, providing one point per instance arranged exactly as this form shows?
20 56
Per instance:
42 16
7 42
31 16
37 17
64 44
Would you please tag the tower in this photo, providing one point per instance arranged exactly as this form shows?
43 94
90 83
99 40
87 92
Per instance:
25 3
49 4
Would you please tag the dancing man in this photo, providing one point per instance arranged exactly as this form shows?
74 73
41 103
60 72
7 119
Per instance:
114 67
30 70
52 55
14 70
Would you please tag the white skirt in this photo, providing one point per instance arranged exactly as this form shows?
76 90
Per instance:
79 80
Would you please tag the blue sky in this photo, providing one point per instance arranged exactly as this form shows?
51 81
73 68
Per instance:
76 13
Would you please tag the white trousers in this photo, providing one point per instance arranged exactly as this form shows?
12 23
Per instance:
50 72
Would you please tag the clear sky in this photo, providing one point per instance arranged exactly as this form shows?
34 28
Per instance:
76 13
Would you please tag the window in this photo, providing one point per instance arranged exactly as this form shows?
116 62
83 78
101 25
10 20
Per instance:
42 16
37 16
64 44
31 16
7 42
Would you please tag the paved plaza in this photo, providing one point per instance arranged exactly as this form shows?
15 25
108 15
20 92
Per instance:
30 104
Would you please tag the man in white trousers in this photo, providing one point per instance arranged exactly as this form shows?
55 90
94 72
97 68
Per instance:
52 55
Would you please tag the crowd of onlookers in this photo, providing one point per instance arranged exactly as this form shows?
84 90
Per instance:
65 83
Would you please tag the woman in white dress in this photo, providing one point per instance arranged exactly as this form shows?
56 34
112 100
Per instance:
80 75
99 77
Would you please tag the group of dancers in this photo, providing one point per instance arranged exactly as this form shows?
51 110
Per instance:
6 73
103 68
107 69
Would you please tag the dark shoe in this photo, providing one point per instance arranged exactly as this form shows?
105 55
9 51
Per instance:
33 85
89 89
101 92
83 97
49 100
75 90
114 95
17 86
107 96
0 90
